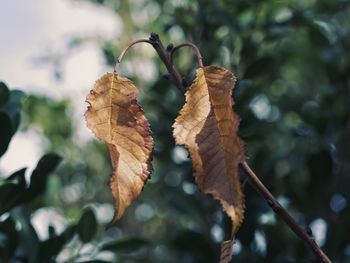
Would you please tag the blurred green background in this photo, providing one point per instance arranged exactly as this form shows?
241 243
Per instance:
292 61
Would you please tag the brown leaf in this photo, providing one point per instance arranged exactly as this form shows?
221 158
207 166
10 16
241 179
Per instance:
207 127
115 117
226 251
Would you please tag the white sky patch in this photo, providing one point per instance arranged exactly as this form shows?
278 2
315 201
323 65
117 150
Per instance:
144 212
237 247
179 154
217 233
43 218
319 230
30 29
104 212
260 106
259 245
22 152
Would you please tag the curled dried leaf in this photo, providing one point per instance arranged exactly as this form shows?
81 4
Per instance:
207 127
226 251
115 117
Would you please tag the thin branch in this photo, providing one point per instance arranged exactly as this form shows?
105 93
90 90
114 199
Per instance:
283 214
166 58
189 44
117 64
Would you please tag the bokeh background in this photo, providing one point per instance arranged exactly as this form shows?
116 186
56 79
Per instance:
292 61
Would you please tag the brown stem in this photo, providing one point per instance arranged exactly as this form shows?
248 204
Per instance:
196 49
165 56
117 64
283 214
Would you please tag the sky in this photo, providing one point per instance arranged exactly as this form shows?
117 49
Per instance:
32 29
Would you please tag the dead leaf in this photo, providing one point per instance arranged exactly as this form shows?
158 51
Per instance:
207 127
226 251
115 117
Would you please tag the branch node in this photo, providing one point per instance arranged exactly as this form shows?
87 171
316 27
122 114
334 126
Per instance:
154 37
170 47
167 76
309 232
165 56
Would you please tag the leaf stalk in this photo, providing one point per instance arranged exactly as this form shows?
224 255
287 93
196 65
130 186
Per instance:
117 64
196 49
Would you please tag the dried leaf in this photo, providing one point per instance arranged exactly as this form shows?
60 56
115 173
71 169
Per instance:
115 117
207 127
226 251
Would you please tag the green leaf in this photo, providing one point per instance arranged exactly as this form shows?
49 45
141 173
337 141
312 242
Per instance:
52 231
18 177
126 245
87 226
11 195
4 94
49 249
326 30
12 190
6 132
15 193
13 107
8 246
29 240
45 166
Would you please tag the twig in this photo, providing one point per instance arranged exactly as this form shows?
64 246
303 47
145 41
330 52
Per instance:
165 55
188 44
166 58
117 64
283 214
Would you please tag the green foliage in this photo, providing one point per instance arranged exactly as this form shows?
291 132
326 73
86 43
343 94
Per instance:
125 246
293 96
9 115
6 132
49 248
87 226
4 94
15 191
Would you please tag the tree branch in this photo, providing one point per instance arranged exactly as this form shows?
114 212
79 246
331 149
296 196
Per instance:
165 55
283 214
